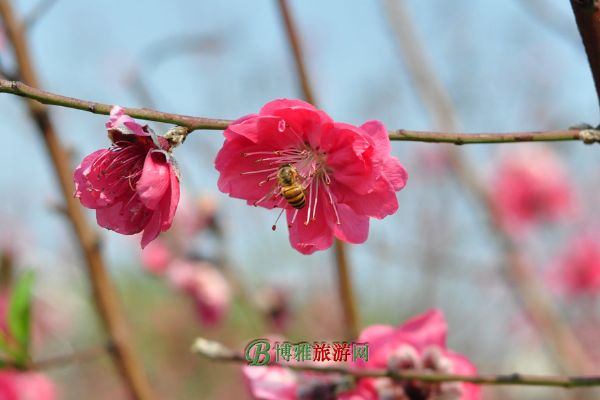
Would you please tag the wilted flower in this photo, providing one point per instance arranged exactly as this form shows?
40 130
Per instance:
205 284
346 173
531 186
134 184
17 385
577 270
417 345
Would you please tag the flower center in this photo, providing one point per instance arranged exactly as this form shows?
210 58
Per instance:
311 176
431 359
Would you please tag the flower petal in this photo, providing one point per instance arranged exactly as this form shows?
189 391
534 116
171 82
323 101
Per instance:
377 132
168 205
155 179
424 330
118 118
85 191
317 235
126 218
349 157
395 173
152 229
353 228
462 366
379 203
271 383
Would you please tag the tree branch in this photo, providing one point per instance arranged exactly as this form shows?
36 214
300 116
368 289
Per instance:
587 16
344 276
520 278
218 352
195 123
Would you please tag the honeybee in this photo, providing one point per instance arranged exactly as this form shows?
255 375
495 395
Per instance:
291 187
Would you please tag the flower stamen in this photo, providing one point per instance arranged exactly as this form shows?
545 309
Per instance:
309 205
328 190
277 219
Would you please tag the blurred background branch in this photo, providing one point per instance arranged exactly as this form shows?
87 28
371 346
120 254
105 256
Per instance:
217 351
344 274
520 278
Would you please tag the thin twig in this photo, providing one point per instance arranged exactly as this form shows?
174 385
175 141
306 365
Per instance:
41 8
218 352
520 278
344 279
105 295
195 123
73 358
549 16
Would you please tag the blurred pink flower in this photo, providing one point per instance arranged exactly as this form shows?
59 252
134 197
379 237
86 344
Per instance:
531 186
16 385
156 257
133 185
271 383
346 172
4 304
434 160
418 344
206 285
195 216
274 382
273 303
577 270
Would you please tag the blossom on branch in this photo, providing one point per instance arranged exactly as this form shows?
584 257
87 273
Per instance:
329 177
417 345
134 184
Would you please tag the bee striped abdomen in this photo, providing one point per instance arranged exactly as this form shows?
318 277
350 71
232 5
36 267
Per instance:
294 196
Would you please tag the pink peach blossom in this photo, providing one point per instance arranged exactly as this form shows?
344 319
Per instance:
531 185
577 270
16 385
196 215
156 257
346 172
193 218
273 303
271 383
418 344
133 185
206 285
275 382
